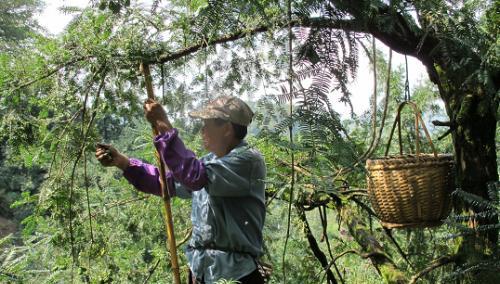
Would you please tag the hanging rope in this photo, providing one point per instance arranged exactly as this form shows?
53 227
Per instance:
374 102
290 130
167 218
407 83
206 74
376 136
407 99
162 70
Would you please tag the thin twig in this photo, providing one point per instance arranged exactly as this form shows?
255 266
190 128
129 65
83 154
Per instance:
80 154
86 180
151 271
346 252
297 168
324 223
73 117
120 203
187 236
52 72
398 247
85 176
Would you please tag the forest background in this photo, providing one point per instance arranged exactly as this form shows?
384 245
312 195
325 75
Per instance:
66 219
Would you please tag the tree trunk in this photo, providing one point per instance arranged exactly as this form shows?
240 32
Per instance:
473 117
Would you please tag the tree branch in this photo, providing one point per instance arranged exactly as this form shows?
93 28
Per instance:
443 123
402 34
372 248
435 264
316 22
448 132
313 244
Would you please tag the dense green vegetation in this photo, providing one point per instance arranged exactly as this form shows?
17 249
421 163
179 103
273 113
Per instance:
81 223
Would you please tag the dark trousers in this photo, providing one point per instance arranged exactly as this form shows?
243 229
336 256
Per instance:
252 278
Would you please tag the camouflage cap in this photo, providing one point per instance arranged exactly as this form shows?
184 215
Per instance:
227 108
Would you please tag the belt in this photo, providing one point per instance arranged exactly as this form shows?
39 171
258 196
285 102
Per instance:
212 246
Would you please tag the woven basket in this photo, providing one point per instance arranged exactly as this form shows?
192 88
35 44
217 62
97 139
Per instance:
410 190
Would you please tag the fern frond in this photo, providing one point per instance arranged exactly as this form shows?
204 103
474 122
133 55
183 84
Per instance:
476 201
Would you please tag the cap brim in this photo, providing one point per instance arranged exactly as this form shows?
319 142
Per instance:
208 114
196 114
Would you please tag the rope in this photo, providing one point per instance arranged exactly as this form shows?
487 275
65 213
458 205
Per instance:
162 70
407 99
206 73
407 83
376 137
374 103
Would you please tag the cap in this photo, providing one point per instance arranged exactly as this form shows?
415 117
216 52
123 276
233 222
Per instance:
228 108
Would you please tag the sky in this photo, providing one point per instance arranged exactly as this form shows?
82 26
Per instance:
54 21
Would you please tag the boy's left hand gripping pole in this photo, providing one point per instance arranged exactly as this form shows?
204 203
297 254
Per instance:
172 248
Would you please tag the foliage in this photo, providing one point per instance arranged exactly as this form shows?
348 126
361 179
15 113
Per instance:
17 22
490 208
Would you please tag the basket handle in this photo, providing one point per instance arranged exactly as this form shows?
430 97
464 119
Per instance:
418 117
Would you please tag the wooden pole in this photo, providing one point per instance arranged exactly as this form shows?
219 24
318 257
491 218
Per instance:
167 217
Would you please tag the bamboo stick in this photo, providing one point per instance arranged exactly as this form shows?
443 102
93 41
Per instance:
167 217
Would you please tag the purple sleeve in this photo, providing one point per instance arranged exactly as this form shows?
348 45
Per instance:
182 162
146 178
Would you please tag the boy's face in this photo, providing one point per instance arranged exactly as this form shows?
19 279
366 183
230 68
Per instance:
216 135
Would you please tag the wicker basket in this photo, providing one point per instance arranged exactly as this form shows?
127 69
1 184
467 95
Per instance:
410 190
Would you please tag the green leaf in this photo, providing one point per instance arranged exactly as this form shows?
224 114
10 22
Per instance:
44 113
197 5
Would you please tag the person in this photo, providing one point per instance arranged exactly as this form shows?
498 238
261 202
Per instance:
226 186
